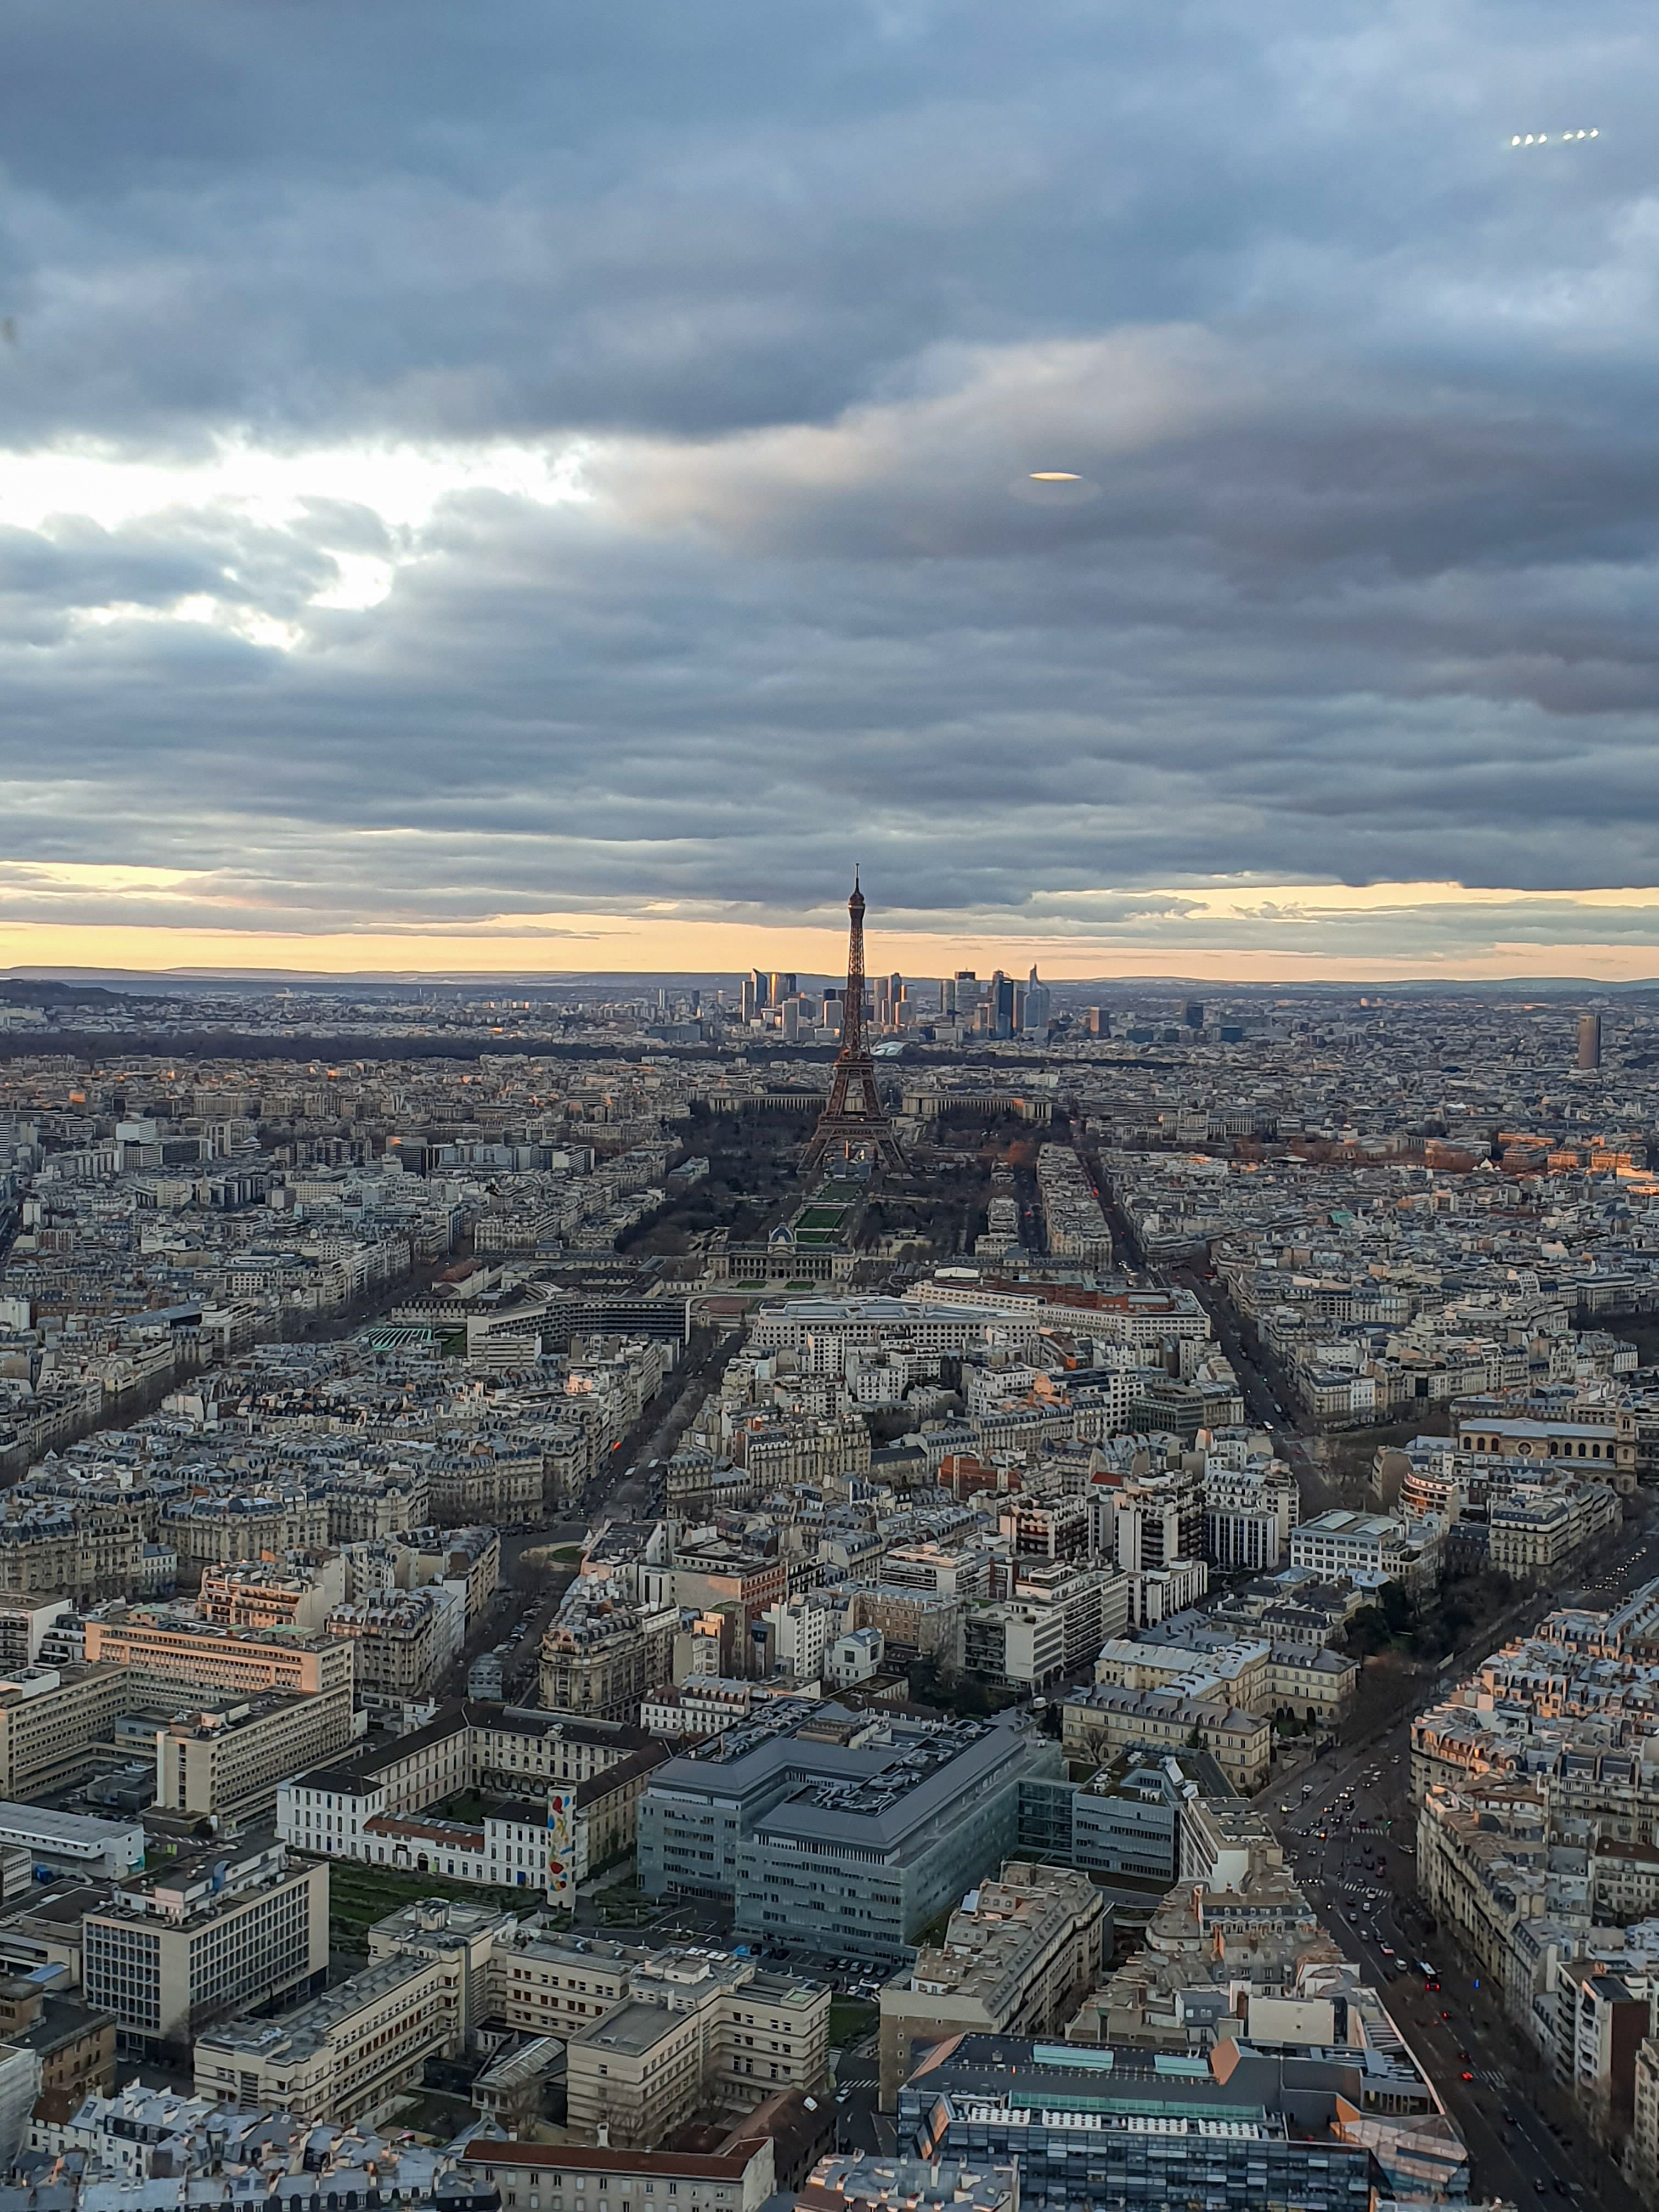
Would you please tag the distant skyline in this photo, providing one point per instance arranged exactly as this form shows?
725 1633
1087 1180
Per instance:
1237 934
553 983
538 488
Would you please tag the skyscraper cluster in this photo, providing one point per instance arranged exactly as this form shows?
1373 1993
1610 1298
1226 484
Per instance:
1000 1006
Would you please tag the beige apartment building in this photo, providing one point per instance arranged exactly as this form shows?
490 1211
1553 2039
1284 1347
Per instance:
203 1530
914 1623
382 1502
232 1758
90 1554
51 1719
1536 1532
485 1482
786 1452
175 1648
465 1933
467 1559
1624 1881
403 1642
600 1662
1312 1681
1264 1677
1482 1860
345 2055
176 1947
767 2033
539 1985
1018 1964
1101 1721
688 2033
634 2077
266 1594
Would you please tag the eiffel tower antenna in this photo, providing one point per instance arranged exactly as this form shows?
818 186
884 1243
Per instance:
854 1115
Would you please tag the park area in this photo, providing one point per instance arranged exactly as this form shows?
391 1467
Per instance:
359 1895
821 1223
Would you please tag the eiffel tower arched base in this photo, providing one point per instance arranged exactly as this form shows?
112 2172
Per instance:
851 1137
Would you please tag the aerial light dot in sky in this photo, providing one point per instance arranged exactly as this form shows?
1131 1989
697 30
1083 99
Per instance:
1542 137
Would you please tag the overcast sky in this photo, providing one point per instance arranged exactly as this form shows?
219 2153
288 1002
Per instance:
550 484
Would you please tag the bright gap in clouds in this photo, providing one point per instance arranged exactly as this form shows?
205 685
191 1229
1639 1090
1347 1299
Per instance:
402 485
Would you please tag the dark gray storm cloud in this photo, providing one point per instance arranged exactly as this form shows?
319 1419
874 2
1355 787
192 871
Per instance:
791 299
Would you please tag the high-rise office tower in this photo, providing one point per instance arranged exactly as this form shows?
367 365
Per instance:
1038 1004
791 1012
780 987
947 998
1589 1041
1002 1005
761 988
748 998
1194 1015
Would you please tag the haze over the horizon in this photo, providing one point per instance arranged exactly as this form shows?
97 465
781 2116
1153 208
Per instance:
536 489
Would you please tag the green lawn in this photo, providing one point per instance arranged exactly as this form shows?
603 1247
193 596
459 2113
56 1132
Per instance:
359 1895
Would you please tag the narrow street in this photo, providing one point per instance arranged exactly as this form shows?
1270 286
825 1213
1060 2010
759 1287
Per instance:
1351 1843
624 1486
1268 1399
1266 1396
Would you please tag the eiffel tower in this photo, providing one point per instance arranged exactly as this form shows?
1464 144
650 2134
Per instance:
854 1115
